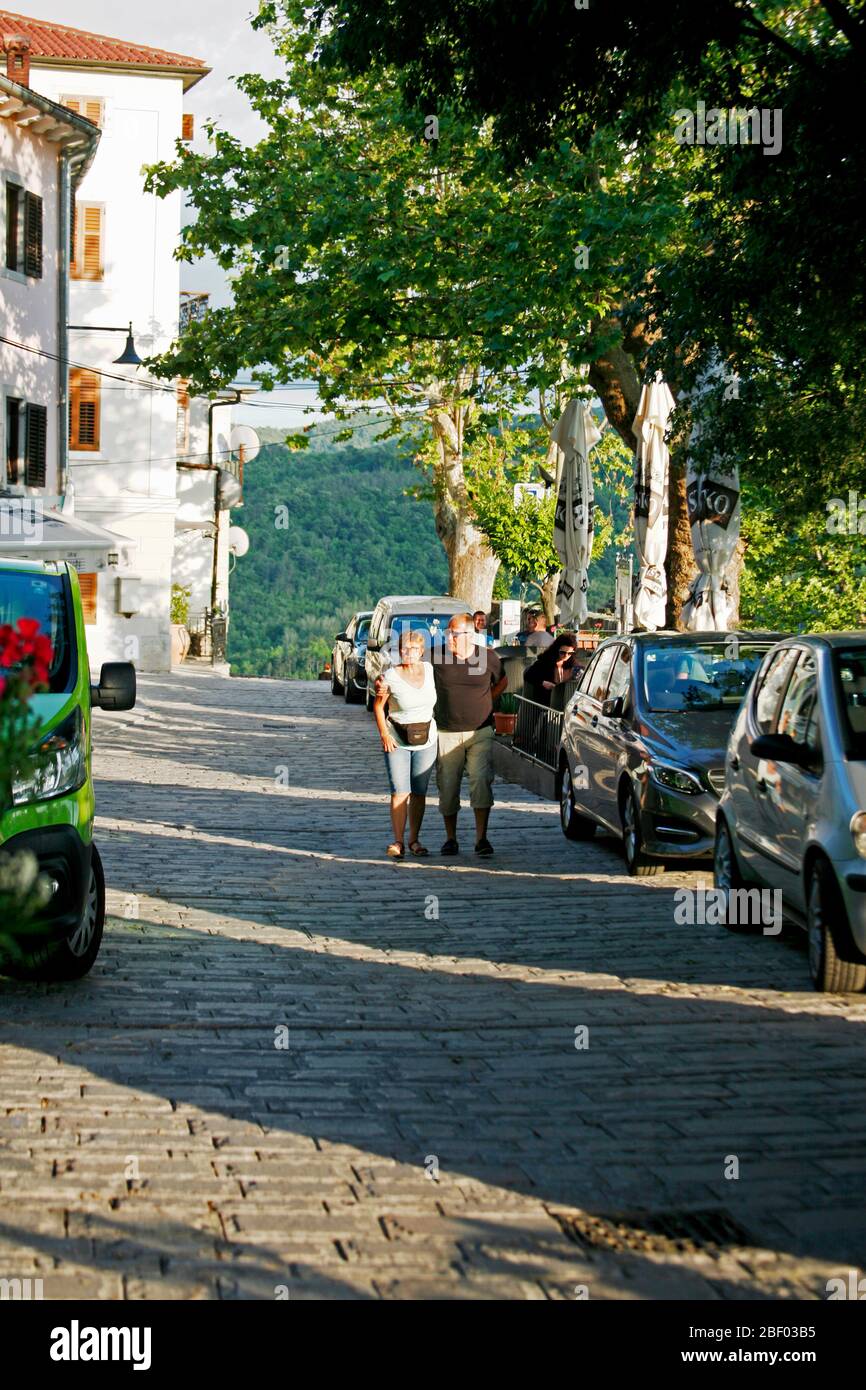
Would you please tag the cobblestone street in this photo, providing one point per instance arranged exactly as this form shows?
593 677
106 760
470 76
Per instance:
300 1067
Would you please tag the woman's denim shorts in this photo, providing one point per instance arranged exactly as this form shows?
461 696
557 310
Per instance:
409 769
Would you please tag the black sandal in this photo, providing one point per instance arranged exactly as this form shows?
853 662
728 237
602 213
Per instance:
396 850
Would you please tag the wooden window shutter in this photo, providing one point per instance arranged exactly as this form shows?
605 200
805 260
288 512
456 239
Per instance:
84 409
35 448
188 127
87 230
92 108
87 583
33 235
182 417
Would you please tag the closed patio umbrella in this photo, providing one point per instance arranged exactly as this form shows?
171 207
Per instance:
714 516
651 467
574 435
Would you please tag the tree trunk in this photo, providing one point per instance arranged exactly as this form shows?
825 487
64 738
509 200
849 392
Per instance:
680 566
733 574
616 380
472 565
548 598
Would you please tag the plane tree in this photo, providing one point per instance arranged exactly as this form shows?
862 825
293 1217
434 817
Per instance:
402 262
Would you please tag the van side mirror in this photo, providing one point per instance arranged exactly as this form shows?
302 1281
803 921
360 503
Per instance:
612 709
342 637
781 748
373 647
117 687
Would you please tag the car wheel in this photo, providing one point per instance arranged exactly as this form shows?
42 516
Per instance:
727 877
368 699
351 694
574 825
74 957
336 686
636 861
830 944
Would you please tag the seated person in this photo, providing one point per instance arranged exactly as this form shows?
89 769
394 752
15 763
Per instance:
534 634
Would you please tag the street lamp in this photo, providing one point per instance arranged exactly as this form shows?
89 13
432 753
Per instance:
129 357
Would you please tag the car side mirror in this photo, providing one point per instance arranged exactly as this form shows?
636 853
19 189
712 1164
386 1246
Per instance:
781 748
612 709
373 647
117 687
342 637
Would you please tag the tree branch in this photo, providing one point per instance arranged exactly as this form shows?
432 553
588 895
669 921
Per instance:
845 22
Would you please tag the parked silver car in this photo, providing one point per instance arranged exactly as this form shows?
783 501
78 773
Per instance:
792 816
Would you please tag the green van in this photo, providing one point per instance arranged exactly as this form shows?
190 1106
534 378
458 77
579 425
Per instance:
51 813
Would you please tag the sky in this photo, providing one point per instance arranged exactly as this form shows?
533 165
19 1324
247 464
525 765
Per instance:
219 33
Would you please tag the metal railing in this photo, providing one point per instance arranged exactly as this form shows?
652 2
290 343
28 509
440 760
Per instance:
538 732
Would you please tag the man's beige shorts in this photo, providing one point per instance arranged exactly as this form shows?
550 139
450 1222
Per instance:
472 751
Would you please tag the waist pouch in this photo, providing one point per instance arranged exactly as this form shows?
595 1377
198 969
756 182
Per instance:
413 734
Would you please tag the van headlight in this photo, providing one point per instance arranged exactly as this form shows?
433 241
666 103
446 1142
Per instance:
858 832
61 765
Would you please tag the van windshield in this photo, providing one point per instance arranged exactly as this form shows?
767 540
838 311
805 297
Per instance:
43 597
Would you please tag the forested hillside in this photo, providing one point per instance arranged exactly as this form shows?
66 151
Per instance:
347 535
331 531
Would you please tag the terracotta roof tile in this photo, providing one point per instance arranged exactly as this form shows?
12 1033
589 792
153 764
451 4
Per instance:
59 41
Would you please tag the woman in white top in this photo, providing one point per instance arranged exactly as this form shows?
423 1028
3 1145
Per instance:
409 738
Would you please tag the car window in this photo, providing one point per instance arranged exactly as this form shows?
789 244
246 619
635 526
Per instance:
772 682
620 676
599 675
586 679
362 629
798 715
698 675
850 664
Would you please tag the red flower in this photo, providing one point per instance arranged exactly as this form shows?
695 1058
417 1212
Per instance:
27 652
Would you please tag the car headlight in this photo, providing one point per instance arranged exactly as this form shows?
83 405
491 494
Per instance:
675 779
60 765
858 832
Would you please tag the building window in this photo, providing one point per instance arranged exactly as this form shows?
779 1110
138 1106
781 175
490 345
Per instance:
23 231
84 410
88 236
26 441
88 585
13 439
91 108
188 127
182 418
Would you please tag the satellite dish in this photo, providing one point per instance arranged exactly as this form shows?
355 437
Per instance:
239 541
244 437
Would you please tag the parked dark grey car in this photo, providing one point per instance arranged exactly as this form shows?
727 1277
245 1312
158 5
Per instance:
644 736
348 676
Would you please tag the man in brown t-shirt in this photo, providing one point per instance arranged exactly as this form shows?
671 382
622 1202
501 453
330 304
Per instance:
468 679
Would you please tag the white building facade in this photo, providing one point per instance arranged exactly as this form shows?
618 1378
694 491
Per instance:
123 423
44 150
